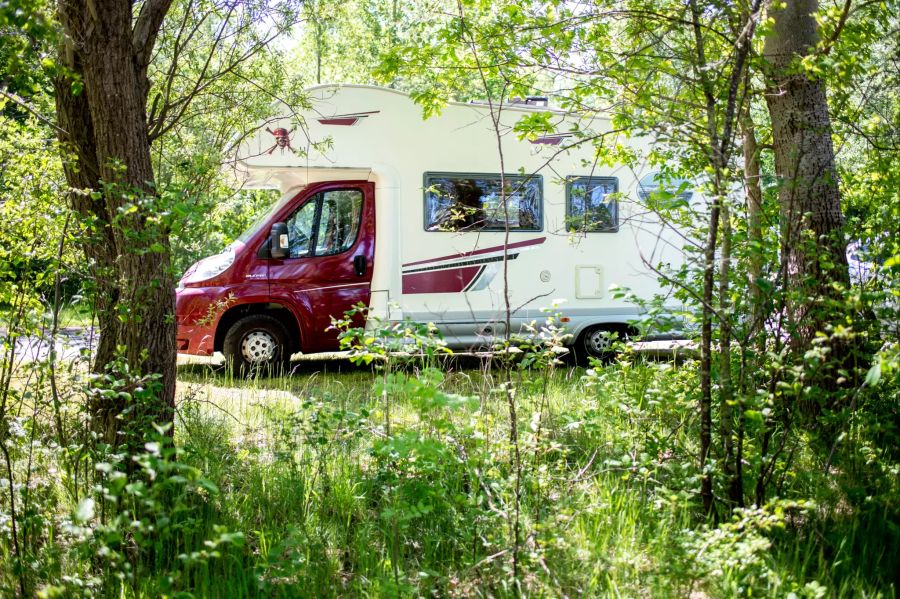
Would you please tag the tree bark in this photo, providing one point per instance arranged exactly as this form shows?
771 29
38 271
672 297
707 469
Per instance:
813 249
754 222
108 122
83 176
709 256
726 384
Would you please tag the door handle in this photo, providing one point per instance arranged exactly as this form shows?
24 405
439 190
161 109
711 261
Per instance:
359 265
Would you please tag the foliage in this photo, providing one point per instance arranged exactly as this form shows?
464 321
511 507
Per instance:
506 474
212 60
31 216
131 525
333 484
24 26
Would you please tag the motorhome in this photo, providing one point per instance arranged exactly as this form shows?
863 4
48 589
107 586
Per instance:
411 217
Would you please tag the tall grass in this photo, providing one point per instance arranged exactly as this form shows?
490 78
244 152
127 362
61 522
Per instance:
330 508
293 487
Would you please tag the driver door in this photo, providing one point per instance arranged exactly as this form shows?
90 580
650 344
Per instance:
331 237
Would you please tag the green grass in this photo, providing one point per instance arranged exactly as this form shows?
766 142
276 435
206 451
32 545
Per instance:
76 315
340 491
606 505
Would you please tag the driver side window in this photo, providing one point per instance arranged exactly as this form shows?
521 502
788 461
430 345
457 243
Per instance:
300 229
327 224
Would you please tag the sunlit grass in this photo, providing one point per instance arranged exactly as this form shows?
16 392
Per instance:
339 490
602 514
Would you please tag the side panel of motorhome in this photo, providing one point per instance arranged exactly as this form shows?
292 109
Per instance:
451 269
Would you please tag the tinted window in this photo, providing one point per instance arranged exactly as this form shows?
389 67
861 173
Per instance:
475 203
328 222
300 229
658 187
591 204
339 222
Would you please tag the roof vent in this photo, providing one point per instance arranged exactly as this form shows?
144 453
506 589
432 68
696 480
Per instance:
537 101
531 101
542 101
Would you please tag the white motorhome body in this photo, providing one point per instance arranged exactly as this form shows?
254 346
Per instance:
429 268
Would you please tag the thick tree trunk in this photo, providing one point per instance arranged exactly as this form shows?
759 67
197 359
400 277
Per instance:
115 91
813 249
83 175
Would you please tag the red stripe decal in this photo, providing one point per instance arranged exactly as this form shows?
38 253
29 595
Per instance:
450 280
345 121
496 248
553 140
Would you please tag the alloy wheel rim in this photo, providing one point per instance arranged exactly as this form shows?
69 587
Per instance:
600 342
258 347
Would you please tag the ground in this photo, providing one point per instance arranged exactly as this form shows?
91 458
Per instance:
404 477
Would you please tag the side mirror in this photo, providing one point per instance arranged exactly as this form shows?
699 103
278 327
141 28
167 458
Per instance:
279 246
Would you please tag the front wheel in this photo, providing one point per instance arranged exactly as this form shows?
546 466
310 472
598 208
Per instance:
257 344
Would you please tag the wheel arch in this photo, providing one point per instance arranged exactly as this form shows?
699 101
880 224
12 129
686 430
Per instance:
278 311
618 326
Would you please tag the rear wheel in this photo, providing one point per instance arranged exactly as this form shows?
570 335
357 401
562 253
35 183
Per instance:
599 342
257 343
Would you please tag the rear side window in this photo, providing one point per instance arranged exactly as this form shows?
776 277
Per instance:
326 224
475 202
657 187
591 204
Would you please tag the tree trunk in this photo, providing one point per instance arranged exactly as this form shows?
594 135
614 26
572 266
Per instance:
135 242
83 175
754 223
706 424
813 249
726 385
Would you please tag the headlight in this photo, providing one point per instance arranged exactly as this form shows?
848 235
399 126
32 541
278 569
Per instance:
208 268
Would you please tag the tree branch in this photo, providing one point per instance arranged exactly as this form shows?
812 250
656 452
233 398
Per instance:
829 43
146 28
17 99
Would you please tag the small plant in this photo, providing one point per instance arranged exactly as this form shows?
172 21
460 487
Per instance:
370 338
734 558
145 527
214 309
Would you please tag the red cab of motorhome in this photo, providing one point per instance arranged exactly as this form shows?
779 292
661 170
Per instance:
274 291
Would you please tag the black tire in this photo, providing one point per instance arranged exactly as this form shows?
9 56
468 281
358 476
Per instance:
257 344
599 342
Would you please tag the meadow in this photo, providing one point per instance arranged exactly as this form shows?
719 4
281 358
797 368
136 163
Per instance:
349 481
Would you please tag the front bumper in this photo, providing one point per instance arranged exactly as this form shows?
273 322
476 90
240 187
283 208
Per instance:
197 320
197 341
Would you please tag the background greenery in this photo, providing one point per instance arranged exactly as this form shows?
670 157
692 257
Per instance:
441 475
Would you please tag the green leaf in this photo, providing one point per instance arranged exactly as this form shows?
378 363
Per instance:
874 374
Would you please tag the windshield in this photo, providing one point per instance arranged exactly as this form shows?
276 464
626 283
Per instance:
265 216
